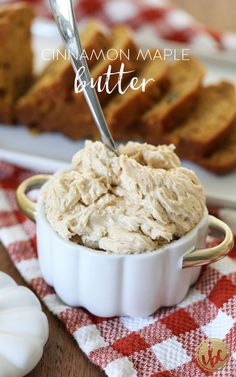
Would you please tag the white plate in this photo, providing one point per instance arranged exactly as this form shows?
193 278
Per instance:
48 152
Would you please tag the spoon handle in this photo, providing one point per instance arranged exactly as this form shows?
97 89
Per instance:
65 19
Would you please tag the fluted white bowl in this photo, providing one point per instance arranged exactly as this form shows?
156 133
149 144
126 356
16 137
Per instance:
117 284
108 284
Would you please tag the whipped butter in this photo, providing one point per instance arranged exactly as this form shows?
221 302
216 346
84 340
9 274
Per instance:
131 203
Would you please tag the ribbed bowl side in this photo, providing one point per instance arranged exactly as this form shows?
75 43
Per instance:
100 282
45 248
143 287
110 285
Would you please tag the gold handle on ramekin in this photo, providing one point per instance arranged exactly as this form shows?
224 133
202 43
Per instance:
202 257
27 206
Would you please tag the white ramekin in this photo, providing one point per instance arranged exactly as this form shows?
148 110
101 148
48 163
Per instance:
129 285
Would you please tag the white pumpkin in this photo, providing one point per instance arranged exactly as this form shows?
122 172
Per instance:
23 329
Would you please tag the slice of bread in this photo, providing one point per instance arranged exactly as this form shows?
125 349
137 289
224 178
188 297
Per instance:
55 84
126 109
123 50
185 81
16 59
208 124
72 116
66 111
223 160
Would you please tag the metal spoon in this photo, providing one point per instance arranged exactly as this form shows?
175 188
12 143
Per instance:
65 19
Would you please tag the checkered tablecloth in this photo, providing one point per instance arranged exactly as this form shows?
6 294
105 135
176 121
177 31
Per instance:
156 18
164 344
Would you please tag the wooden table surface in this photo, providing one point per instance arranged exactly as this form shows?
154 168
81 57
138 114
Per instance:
62 357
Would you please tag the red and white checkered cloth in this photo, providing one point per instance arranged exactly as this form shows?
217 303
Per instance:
155 18
164 344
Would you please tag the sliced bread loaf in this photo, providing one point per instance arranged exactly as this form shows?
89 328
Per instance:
223 160
208 124
66 111
125 110
80 123
56 83
185 80
16 59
